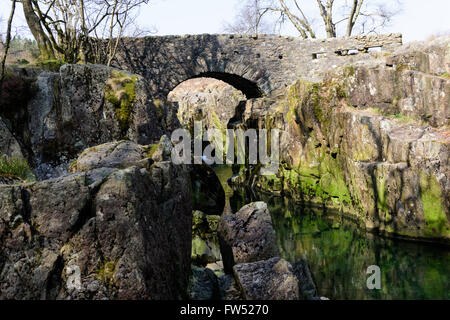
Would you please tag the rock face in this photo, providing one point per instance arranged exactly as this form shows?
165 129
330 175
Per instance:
9 146
247 236
120 154
213 102
83 106
105 233
271 279
371 139
205 242
229 289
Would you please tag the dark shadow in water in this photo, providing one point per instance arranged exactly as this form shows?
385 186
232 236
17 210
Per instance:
339 253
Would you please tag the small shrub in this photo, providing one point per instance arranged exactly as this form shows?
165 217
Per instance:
16 168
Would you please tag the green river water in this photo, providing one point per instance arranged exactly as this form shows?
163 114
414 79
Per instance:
339 253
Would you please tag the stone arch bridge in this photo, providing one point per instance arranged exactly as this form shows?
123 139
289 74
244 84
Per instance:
257 65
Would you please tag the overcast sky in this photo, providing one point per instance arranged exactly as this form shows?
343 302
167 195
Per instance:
419 19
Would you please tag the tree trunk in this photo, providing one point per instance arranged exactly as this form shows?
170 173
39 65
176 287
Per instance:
7 44
37 31
293 20
354 14
327 17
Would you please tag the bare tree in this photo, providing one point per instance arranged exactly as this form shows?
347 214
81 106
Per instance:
1 31
363 16
7 44
249 20
74 30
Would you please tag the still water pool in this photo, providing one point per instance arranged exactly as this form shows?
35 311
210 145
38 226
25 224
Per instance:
339 253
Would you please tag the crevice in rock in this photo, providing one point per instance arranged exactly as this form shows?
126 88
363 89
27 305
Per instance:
54 280
237 119
25 196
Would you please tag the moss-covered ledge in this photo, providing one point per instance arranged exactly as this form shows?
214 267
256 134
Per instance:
385 170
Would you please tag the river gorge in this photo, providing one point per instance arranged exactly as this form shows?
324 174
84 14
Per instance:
93 205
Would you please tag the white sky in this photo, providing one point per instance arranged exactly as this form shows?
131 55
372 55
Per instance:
418 20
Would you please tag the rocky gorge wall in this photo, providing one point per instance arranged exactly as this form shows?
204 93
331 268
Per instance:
370 139
79 107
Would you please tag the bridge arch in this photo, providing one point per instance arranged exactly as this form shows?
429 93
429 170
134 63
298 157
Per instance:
249 88
257 65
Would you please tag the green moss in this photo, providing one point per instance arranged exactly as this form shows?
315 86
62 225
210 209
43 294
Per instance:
150 150
446 75
217 123
52 65
402 67
120 91
318 179
106 272
381 195
435 217
332 182
291 115
199 247
388 218
159 105
349 71
16 168
72 166
220 149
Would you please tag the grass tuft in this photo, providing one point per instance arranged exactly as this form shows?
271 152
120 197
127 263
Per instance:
16 168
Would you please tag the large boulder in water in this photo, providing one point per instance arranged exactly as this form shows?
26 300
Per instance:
271 279
247 236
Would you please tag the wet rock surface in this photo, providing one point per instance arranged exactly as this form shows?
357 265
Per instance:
9 146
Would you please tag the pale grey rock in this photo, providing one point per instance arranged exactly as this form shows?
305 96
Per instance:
9 146
271 279
247 236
